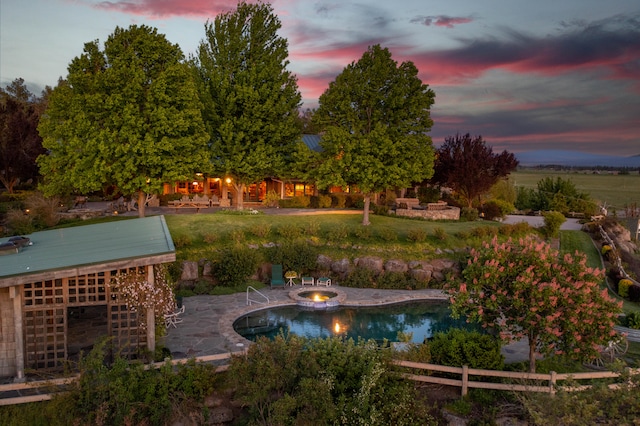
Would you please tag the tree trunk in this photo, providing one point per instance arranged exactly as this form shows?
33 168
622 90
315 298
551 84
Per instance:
142 200
239 187
365 214
532 354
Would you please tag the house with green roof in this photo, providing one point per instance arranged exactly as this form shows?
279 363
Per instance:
56 297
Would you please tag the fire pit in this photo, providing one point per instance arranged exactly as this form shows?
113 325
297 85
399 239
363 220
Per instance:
318 299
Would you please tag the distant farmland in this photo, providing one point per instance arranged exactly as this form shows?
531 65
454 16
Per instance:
616 190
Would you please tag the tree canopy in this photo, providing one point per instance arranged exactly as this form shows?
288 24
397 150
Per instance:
469 166
128 116
376 116
557 194
20 143
527 289
250 98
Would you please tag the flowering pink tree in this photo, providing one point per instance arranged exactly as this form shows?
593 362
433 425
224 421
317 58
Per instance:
140 295
526 289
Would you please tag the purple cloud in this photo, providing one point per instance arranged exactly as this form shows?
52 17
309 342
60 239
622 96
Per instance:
441 21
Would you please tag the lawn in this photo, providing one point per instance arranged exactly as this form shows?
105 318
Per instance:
616 190
339 234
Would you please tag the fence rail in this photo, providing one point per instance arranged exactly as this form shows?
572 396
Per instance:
518 377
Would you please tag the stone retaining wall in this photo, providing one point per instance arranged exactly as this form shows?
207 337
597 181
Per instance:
421 270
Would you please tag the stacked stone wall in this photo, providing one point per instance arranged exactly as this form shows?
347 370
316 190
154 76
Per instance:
449 213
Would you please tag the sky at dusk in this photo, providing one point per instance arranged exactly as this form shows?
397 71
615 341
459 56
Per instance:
561 74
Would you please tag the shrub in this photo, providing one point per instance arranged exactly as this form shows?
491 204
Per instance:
289 232
440 233
324 201
394 281
323 381
360 278
182 240
236 235
271 199
632 320
19 223
484 232
338 200
261 230
294 256
388 234
363 232
355 201
381 210
459 347
235 265
44 210
428 194
417 235
297 202
552 223
468 214
312 228
634 293
623 287
497 209
338 232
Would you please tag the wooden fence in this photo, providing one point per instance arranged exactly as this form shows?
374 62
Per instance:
517 379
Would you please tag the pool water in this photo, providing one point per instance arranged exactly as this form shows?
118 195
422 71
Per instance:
422 319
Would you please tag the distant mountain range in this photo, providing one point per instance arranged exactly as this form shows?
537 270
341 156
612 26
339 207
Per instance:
574 159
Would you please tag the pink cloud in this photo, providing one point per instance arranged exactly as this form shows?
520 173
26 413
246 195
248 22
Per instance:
168 8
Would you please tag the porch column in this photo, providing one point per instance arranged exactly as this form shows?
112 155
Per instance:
151 315
16 295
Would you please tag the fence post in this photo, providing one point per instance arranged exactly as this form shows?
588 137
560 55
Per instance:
552 383
465 380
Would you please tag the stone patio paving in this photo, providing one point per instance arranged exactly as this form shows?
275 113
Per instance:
207 326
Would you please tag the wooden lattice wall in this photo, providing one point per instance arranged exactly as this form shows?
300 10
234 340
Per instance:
45 317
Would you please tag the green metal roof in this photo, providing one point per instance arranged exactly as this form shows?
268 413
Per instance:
68 248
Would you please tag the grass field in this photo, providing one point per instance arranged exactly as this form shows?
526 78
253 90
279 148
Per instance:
616 190
339 234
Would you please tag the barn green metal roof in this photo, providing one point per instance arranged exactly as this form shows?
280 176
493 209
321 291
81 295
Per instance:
67 248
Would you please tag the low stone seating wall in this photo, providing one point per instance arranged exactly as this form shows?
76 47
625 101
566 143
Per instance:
446 213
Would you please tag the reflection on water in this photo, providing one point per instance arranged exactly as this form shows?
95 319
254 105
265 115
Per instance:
422 319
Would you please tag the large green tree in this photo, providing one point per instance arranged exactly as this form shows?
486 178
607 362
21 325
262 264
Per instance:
376 115
20 143
526 289
469 166
250 98
128 116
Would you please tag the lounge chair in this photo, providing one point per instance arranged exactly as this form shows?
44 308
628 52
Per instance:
307 281
277 280
323 281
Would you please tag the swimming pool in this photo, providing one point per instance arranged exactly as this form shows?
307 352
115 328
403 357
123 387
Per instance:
423 319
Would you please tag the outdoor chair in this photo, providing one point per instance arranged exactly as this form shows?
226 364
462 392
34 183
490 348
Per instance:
307 281
277 279
323 281
173 319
